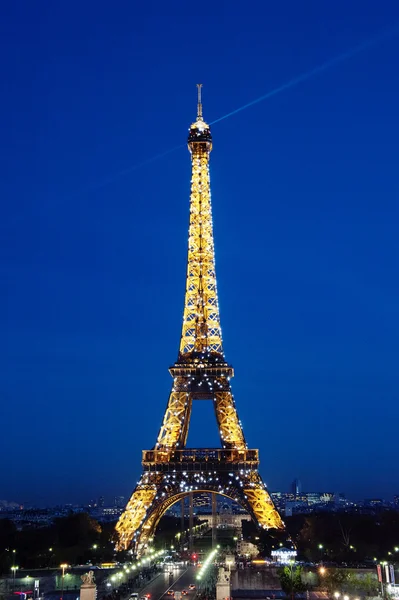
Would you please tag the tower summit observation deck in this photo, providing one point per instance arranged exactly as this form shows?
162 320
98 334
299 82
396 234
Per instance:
171 470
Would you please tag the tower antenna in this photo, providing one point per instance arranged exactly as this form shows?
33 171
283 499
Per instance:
199 104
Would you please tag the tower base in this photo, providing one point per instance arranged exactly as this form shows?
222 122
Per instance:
164 483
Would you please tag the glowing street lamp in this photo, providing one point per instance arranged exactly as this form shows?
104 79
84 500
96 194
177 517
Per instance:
336 595
14 569
321 547
229 564
322 570
63 567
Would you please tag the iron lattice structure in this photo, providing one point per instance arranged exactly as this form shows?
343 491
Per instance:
201 372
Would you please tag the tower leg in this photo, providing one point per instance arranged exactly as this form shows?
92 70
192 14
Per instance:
191 520
261 505
214 520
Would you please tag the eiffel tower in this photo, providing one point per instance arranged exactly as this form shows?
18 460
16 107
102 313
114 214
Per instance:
172 471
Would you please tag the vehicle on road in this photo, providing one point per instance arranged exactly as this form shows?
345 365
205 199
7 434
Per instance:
170 593
134 596
191 586
184 592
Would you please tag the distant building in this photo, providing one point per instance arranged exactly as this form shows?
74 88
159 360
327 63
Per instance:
299 505
6 505
313 498
340 499
283 556
247 549
326 497
296 487
101 502
375 502
201 503
107 514
396 501
119 501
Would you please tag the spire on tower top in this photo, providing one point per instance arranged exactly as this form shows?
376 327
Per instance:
199 104
199 130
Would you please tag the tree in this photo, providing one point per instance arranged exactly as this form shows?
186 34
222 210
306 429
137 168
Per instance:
8 536
366 585
335 579
291 580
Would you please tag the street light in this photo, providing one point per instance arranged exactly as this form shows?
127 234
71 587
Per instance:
322 570
63 567
320 547
291 567
336 595
14 569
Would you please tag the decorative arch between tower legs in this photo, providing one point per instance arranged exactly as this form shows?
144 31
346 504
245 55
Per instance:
156 492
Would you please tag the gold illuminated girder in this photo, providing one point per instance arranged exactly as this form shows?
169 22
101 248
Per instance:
135 512
148 529
230 428
174 428
201 322
261 505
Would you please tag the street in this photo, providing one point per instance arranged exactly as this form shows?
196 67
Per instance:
181 579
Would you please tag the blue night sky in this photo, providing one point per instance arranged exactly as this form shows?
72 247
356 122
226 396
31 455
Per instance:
93 243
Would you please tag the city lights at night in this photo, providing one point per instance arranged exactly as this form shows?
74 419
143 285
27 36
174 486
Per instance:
209 190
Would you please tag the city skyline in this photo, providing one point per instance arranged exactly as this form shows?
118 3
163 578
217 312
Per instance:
114 499
304 193
120 501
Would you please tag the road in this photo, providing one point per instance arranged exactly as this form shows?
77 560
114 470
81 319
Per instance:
180 581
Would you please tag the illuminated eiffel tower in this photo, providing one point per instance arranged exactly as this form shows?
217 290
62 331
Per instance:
170 470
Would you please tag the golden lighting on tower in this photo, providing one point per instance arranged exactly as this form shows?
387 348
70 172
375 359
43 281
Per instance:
171 471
